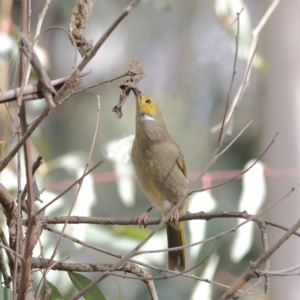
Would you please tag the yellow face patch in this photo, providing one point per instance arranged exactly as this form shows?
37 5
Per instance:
147 106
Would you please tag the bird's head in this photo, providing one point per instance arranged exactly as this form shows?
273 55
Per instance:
146 108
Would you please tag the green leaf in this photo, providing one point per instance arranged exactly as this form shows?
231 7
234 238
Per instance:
5 293
80 282
55 295
130 231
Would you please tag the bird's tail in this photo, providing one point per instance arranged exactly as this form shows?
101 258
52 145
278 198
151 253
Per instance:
176 238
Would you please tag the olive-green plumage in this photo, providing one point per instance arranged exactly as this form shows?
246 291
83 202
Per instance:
161 171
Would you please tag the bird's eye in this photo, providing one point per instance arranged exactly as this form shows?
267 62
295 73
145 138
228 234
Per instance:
148 101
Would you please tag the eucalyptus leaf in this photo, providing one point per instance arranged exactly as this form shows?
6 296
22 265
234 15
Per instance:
80 282
55 294
5 293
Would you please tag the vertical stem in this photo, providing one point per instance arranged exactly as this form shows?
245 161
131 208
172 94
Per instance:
16 281
29 243
17 275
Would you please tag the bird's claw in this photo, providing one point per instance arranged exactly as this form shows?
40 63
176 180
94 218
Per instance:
175 217
143 219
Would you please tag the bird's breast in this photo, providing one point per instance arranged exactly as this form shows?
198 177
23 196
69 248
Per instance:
158 173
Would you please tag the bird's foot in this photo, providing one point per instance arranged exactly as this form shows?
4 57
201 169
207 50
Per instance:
143 219
175 217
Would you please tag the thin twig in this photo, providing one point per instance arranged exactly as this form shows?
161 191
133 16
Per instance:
19 246
29 242
234 71
41 263
250 288
90 87
241 173
33 91
3 270
164 277
47 88
251 272
191 276
221 136
11 251
264 239
5 243
82 267
280 227
79 186
255 34
233 140
154 221
71 186
163 221
279 272
50 266
4 138
4 162
69 35
102 250
37 31
94 50
38 162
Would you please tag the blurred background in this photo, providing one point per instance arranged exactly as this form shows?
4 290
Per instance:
187 50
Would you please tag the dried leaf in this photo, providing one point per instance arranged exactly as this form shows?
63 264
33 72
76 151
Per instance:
134 74
81 12
124 92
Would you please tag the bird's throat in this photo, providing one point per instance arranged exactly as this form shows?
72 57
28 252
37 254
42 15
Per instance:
146 118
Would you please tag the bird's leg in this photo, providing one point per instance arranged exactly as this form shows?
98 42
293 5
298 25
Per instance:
175 217
143 217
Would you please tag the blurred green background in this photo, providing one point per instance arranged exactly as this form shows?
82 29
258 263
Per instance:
187 51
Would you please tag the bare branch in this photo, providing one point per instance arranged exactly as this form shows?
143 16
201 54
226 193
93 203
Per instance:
3 270
192 276
283 272
71 186
72 94
265 244
4 162
50 266
251 272
22 68
79 187
11 251
238 175
70 37
37 32
94 50
43 78
34 91
252 50
233 140
8 252
234 71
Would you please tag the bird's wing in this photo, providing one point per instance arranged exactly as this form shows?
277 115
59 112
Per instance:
181 164
173 151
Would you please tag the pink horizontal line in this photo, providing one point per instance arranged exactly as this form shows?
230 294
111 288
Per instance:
208 177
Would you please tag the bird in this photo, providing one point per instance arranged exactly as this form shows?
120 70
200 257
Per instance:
161 172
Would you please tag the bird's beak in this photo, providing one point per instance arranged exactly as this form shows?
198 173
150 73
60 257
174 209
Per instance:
137 93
